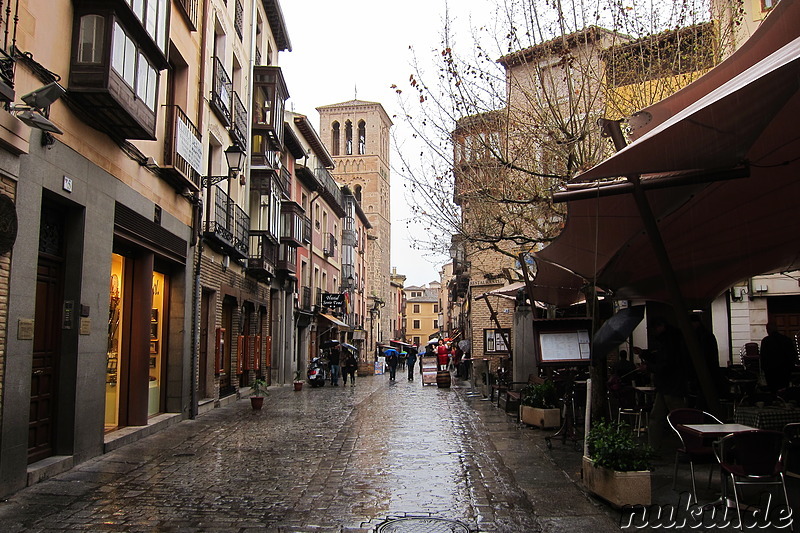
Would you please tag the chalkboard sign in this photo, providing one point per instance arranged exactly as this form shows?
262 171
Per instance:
564 346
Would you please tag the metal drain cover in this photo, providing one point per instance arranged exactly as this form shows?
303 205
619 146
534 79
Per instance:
422 525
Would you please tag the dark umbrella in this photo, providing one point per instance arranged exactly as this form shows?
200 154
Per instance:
329 343
349 346
617 329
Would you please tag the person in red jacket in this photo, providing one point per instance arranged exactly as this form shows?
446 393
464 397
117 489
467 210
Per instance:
442 355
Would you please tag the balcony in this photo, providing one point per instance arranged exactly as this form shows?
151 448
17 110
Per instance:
291 223
8 27
115 66
239 126
306 230
238 20
183 149
221 93
190 10
330 245
227 225
330 190
287 258
305 299
269 97
263 260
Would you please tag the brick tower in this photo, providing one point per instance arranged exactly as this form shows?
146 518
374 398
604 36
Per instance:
356 134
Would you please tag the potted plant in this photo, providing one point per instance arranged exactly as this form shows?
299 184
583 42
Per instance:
298 379
539 405
617 468
258 389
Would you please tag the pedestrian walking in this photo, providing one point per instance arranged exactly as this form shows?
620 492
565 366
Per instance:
333 361
350 367
411 359
391 362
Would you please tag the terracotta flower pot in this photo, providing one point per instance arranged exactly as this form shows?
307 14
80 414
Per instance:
298 385
257 402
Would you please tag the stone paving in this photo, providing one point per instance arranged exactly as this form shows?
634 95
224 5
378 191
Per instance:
327 459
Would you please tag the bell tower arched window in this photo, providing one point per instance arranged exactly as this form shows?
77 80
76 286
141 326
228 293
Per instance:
358 193
348 133
362 137
335 133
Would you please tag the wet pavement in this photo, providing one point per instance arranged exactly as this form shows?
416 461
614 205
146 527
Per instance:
380 456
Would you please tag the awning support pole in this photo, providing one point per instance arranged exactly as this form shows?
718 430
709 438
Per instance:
707 387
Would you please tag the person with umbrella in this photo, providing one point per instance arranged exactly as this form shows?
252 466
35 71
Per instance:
411 359
391 361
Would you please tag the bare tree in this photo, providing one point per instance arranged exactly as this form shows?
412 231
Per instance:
511 112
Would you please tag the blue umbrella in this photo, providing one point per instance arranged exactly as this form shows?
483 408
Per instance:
390 351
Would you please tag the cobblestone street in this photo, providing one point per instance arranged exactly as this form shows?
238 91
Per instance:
326 459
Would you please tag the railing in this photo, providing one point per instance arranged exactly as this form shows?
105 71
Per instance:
306 229
182 141
191 10
330 245
221 92
263 256
286 181
8 28
239 127
327 181
238 20
228 223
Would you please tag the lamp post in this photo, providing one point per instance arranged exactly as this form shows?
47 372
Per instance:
234 158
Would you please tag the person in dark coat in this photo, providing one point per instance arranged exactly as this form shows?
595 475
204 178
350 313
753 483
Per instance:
391 362
778 357
411 359
349 368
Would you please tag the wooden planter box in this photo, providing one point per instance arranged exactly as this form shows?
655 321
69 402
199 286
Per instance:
542 418
617 488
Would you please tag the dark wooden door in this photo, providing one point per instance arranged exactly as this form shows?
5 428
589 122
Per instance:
44 371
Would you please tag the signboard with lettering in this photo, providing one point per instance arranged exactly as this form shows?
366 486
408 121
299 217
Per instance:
332 299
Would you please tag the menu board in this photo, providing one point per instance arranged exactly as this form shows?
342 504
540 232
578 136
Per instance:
564 346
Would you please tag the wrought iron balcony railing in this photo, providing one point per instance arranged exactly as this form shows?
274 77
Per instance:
221 93
227 224
239 122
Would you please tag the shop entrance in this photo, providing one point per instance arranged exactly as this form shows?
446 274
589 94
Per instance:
46 352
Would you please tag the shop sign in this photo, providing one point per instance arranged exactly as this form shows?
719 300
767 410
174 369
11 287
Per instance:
332 299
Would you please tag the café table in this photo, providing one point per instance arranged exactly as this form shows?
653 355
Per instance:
713 432
768 417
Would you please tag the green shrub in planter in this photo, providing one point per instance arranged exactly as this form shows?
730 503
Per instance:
612 446
541 395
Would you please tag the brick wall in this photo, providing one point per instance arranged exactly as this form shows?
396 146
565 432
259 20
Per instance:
232 282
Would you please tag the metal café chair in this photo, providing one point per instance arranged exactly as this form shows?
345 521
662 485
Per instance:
693 448
752 458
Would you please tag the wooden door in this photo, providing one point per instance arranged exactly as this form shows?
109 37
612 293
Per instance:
44 370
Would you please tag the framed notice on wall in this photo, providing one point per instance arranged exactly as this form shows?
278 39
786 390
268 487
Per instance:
564 346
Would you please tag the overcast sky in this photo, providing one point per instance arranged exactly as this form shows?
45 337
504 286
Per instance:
358 49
